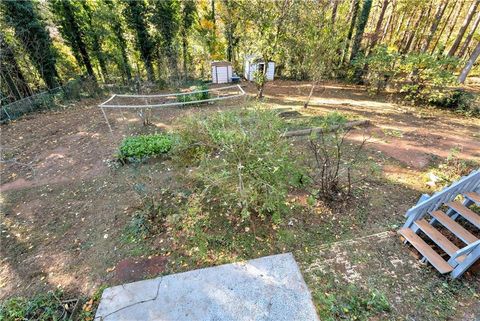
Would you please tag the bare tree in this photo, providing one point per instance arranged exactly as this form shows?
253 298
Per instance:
411 33
378 27
469 64
436 21
463 28
466 43
440 34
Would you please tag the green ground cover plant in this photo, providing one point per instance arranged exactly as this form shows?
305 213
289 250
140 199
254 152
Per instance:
143 146
195 96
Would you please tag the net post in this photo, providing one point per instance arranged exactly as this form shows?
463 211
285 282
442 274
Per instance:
106 119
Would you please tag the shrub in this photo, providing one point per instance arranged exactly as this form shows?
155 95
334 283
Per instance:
334 159
426 76
142 146
195 96
382 68
241 160
458 100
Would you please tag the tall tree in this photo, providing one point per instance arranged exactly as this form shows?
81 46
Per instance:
378 27
11 73
463 28
72 32
453 23
389 23
433 28
411 34
135 12
230 20
93 32
469 37
440 34
360 28
118 30
268 21
469 64
31 31
355 5
187 19
166 17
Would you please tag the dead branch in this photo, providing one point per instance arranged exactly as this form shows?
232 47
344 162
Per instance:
315 130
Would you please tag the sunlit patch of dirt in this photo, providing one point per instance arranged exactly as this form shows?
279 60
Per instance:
64 209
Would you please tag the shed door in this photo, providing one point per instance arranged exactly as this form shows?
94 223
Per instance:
222 74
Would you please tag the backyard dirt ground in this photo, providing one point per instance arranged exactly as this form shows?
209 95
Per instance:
64 203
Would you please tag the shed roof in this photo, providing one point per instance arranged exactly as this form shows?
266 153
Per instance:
221 63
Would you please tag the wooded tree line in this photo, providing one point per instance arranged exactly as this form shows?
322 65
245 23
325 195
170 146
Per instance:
45 44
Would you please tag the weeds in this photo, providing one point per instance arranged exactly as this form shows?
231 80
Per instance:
49 306
451 169
353 304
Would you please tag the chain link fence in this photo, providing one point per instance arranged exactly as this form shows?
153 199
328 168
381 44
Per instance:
74 90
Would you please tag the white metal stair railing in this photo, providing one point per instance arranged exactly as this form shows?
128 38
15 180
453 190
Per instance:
463 258
427 204
472 254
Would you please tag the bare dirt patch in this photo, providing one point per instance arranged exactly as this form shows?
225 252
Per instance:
64 208
409 134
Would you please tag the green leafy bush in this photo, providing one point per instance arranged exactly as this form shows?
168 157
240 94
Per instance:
458 100
241 160
142 146
195 96
425 77
382 68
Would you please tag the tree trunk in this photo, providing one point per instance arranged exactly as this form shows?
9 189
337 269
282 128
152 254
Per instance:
389 21
433 28
411 34
407 31
361 24
121 42
422 28
305 105
354 12
376 34
469 64
11 72
463 28
447 20
454 23
334 11
469 36
185 54
96 45
77 38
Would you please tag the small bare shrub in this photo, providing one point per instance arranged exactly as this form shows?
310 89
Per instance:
334 159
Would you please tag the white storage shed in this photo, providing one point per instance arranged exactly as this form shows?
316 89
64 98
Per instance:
253 63
221 72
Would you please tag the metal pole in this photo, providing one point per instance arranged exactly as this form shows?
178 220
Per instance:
106 119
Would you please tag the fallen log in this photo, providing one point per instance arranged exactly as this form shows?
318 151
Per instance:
315 130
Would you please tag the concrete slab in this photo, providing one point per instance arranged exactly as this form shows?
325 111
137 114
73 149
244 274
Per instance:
266 289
